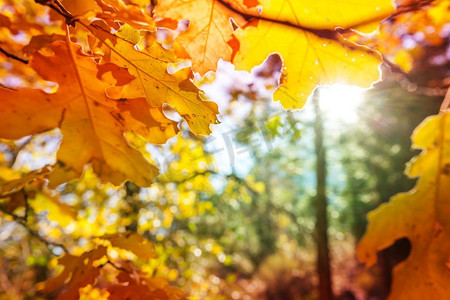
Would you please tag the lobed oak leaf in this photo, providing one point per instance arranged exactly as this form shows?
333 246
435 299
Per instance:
117 10
420 215
313 53
206 39
77 8
134 285
92 124
110 11
153 82
308 60
78 272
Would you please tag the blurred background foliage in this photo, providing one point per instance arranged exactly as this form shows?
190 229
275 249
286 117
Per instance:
247 233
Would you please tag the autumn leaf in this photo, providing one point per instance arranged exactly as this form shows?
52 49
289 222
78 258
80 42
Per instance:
312 52
78 272
13 190
121 279
153 82
133 242
323 14
134 286
18 184
117 10
420 215
92 124
206 39
57 211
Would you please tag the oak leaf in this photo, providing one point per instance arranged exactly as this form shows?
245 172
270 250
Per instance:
93 125
323 14
134 286
206 39
57 211
153 82
422 216
303 34
78 272
110 11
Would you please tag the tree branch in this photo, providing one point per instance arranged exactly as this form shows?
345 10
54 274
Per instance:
60 9
12 56
22 221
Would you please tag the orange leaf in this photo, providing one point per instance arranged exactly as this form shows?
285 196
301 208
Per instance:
92 124
422 216
206 39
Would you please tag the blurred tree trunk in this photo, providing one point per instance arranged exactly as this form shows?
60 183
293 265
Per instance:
323 259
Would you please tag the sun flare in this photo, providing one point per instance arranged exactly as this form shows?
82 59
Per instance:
341 102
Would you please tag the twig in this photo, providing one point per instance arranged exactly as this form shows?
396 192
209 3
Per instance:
109 262
59 8
22 221
12 56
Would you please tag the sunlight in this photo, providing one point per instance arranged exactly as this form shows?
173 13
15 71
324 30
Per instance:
340 102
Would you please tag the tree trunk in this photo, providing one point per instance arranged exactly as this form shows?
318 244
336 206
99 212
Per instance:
323 259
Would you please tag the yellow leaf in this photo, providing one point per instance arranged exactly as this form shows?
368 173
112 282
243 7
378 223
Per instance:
308 60
324 14
20 183
59 212
422 216
154 83
206 39
132 242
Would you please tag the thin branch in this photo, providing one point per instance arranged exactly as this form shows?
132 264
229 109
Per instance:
207 172
60 9
12 56
109 262
22 221
330 33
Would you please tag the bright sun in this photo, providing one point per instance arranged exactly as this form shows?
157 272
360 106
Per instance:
340 102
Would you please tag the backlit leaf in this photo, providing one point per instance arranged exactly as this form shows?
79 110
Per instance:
308 60
154 83
92 124
312 52
206 39
132 242
422 216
